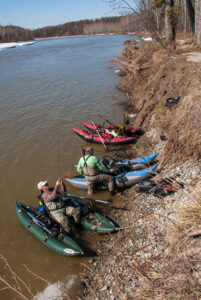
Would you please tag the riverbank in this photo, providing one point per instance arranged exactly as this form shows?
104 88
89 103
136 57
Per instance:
158 255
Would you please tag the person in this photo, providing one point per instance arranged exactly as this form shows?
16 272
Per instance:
52 198
90 166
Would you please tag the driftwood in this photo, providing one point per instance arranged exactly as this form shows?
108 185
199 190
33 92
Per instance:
195 233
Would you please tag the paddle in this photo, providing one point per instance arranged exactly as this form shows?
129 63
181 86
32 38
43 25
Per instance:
107 120
95 200
86 198
69 172
105 147
121 208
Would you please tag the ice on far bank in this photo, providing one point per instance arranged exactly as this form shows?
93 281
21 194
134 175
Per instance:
15 44
56 291
147 39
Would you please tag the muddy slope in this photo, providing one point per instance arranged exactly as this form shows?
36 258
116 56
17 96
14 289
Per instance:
157 253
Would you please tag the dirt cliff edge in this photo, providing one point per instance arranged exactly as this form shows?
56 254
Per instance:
157 254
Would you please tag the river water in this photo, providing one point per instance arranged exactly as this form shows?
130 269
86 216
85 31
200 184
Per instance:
46 89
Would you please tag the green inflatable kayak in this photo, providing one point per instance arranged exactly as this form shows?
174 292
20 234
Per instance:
98 223
45 233
91 220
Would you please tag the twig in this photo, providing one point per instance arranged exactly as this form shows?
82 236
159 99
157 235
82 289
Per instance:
90 270
11 271
194 233
13 289
90 288
4 288
37 276
142 273
64 293
166 148
164 216
123 228
16 277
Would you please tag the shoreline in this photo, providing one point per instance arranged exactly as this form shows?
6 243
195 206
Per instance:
153 259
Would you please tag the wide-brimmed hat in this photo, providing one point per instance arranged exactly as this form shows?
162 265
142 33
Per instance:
41 184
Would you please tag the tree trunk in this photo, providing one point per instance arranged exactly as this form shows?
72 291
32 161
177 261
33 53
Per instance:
191 13
198 22
169 25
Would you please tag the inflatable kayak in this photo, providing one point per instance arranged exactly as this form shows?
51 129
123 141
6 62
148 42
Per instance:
127 164
108 139
118 129
45 233
123 180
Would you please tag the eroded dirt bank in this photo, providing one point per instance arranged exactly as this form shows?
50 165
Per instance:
158 253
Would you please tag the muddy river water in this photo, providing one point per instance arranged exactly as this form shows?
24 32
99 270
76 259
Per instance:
45 89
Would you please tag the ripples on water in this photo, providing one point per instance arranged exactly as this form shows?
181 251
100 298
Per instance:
45 90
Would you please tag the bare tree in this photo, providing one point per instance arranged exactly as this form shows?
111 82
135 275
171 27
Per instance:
169 20
191 12
198 22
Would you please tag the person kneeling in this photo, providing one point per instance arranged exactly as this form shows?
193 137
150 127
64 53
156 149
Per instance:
90 166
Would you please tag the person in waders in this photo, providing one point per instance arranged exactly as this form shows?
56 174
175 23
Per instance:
52 198
90 166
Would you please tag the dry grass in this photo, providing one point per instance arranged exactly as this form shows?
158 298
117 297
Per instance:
168 265
158 76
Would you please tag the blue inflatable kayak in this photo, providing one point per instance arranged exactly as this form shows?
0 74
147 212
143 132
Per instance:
129 164
122 180
141 160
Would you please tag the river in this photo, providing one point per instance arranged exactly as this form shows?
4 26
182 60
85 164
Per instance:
46 89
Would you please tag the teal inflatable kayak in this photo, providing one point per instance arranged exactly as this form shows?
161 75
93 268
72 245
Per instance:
54 240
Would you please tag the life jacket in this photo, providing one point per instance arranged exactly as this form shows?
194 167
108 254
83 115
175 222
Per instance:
50 206
41 206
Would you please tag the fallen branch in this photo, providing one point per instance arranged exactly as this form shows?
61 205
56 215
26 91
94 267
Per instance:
16 278
164 216
92 291
195 233
36 276
13 289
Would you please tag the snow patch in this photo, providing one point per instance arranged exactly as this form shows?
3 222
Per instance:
193 57
147 39
14 45
56 291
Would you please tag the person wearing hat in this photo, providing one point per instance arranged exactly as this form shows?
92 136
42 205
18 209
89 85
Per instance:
90 166
52 200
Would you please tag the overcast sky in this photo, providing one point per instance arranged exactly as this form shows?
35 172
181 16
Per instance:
38 13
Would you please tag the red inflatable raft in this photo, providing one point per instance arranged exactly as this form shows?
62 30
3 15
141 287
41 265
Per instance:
119 129
108 139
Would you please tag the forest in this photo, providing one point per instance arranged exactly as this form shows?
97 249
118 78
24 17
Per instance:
162 18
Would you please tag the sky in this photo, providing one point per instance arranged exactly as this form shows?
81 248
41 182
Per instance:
34 14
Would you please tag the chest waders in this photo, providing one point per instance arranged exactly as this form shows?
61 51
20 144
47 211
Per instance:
89 171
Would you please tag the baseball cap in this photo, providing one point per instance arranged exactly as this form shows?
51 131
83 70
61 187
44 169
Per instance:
41 184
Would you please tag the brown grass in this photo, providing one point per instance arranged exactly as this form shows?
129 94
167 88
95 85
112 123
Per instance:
158 76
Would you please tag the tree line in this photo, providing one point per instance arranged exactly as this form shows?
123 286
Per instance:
103 25
163 18
14 34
